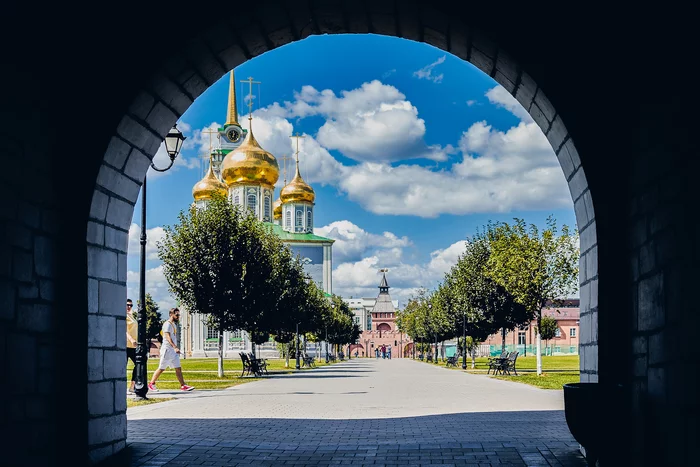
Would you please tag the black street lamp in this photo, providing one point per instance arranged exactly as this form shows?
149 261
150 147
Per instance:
297 347
464 340
173 144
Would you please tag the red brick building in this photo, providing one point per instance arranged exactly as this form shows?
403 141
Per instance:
566 341
383 328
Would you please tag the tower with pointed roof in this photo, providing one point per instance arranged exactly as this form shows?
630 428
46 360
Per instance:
249 171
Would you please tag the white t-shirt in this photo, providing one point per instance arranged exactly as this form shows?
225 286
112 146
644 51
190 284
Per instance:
168 327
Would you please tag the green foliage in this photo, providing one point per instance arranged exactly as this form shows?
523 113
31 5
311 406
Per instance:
548 327
154 322
224 263
338 322
535 267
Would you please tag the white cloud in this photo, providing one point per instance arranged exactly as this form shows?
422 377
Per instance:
153 235
499 172
374 122
441 261
388 73
361 278
352 242
156 285
427 71
471 102
502 98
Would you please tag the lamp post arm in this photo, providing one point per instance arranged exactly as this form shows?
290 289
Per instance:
172 161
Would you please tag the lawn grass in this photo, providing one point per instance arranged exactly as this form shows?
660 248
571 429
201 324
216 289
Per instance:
545 380
556 370
202 373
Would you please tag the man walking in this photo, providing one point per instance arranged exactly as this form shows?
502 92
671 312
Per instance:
132 332
169 352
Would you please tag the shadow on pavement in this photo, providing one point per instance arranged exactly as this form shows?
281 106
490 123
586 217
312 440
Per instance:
510 438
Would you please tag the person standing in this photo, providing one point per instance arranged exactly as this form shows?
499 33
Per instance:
132 332
169 352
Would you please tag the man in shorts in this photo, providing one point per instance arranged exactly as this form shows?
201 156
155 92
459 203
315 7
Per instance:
169 352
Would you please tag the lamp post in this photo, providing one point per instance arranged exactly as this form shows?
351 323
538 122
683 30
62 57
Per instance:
296 346
173 144
464 340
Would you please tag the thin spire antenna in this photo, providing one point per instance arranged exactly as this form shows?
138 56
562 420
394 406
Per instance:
250 100
296 154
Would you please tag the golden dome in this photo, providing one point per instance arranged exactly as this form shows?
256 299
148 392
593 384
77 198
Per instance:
249 163
277 209
297 190
206 187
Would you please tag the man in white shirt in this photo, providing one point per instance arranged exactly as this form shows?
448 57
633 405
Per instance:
169 352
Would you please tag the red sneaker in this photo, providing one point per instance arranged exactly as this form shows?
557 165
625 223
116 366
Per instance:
152 387
185 387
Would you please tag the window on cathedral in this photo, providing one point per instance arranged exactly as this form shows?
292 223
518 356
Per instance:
288 219
300 218
308 220
237 199
252 201
267 207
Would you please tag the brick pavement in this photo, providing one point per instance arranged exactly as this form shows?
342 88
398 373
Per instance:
362 412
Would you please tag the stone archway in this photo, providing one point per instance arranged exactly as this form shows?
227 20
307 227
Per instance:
639 154
188 73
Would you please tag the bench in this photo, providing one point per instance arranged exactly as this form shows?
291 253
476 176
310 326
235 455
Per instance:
508 364
494 362
341 356
429 358
452 361
252 365
308 361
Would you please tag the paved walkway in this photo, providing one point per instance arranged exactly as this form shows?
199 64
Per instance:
361 412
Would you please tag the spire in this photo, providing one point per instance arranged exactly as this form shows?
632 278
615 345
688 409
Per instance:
383 285
232 113
250 103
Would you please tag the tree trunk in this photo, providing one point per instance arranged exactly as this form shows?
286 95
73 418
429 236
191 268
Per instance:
538 345
286 355
220 366
503 340
473 357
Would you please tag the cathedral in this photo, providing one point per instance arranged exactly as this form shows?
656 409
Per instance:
240 169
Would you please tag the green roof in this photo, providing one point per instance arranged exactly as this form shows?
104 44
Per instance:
298 237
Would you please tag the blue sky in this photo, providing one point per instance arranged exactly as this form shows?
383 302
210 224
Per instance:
409 149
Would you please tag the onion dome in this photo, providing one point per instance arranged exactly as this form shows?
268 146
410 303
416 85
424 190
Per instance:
250 164
277 209
208 186
297 190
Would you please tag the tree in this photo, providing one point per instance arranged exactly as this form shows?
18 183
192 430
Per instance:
537 268
548 328
476 298
154 322
224 263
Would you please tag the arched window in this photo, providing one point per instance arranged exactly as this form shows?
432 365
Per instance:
237 199
266 214
309 219
252 202
300 219
288 219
